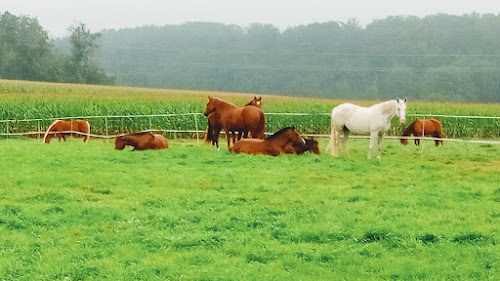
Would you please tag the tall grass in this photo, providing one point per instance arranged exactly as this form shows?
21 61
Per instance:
31 100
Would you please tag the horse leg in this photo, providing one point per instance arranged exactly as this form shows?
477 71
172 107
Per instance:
228 137
344 142
233 133
373 140
380 140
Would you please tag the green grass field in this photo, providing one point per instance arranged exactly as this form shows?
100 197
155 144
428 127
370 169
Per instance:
74 211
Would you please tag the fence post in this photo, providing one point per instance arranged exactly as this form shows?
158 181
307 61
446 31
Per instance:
196 126
423 135
7 128
106 125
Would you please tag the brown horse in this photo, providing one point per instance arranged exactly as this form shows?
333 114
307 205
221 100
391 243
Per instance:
61 129
311 145
423 127
246 119
214 126
255 102
273 145
141 141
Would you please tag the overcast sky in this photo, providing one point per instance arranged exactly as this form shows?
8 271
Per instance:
56 16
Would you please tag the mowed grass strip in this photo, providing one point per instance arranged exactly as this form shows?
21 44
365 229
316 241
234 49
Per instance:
74 211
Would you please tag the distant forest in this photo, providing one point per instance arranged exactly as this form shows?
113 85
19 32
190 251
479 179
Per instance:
440 57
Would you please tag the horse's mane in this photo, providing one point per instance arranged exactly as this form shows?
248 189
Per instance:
223 101
279 133
128 136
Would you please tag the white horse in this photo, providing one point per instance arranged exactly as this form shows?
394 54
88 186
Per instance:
374 120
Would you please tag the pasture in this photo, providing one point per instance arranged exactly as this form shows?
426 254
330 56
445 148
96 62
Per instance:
75 211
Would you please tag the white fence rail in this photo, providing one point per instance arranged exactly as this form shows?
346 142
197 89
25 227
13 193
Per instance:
41 125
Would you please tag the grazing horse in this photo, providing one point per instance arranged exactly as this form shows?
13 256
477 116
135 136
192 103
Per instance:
273 145
214 127
141 141
423 127
311 145
61 129
237 119
374 120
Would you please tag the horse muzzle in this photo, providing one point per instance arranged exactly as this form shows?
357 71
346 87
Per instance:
402 121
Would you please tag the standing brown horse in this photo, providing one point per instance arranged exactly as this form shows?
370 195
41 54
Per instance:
255 102
423 127
311 145
273 145
141 141
61 129
246 119
214 126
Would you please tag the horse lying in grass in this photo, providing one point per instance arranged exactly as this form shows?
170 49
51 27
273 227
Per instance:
273 145
310 145
241 120
141 141
423 127
61 129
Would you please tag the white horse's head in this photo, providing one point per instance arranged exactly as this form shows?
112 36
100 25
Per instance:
401 110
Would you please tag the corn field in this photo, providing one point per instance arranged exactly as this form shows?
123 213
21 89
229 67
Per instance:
46 101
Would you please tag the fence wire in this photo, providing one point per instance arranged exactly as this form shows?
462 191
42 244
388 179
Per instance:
318 125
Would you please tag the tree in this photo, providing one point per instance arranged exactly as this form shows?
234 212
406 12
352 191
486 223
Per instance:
81 67
25 50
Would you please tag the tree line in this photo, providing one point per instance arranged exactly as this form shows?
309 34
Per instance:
27 53
439 57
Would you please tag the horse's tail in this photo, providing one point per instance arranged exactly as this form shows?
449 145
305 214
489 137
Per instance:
333 138
45 140
261 128
439 130
87 133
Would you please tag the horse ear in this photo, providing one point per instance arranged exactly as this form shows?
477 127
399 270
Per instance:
404 100
260 98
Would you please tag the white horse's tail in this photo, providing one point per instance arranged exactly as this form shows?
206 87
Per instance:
87 136
333 139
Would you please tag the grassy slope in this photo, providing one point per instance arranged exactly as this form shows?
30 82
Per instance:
192 213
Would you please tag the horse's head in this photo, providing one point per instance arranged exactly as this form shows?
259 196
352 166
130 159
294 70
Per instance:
119 143
295 137
257 102
401 110
210 106
312 145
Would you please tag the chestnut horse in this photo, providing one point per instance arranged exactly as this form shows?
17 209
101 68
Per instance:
141 141
256 102
423 127
246 119
311 145
61 129
214 126
273 145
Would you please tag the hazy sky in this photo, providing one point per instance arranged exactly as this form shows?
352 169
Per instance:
56 16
